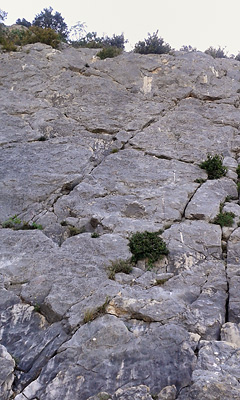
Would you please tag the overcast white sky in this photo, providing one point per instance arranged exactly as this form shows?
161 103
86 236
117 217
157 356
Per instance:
199 23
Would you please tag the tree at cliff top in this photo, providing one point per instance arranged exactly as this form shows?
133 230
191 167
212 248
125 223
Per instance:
152 45
3 15
46 19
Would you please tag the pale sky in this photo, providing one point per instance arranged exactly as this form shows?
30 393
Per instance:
199 23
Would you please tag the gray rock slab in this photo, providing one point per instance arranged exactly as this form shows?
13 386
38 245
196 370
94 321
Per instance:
233 272
216 374
6 374
206 201
230 332
130 192
190 122
125 361
190 242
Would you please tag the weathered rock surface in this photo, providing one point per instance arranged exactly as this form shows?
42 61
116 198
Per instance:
93 151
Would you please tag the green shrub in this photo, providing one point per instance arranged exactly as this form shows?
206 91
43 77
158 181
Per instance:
95 235
147 245
238 171
43 35
10 39
109 52
224 219
214 167
152 45
215 53
11 222
238 187
124 266
15 223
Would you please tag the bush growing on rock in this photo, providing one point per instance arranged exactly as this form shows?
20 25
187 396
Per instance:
216 53
23 22
152 45
82 39
147 245
15 223
214 167
224 219
109 52
11 38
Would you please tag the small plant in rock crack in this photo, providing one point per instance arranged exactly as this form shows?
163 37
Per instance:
92 314
238 171
124 266
200 180
147 245
214 166
12 222
95 235
36 307
73 230
114 150
15 223
238 187
224 219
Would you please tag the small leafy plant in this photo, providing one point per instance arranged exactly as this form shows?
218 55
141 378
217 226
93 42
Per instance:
147 245
15 223
124 266
95 235
224 219
214 166
92 314
238 171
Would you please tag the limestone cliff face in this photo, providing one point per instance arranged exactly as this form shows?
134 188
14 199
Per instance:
94 151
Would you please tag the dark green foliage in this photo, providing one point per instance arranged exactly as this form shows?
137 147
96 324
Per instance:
109 52
11 222
147 245
10 39
224 219
124 266
82 39
115 41
15 223
36 307
214 167
92 314
95 235
23 22
200 180
238 171
237 57
47 36
215 53
238 187
47 20
152 45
